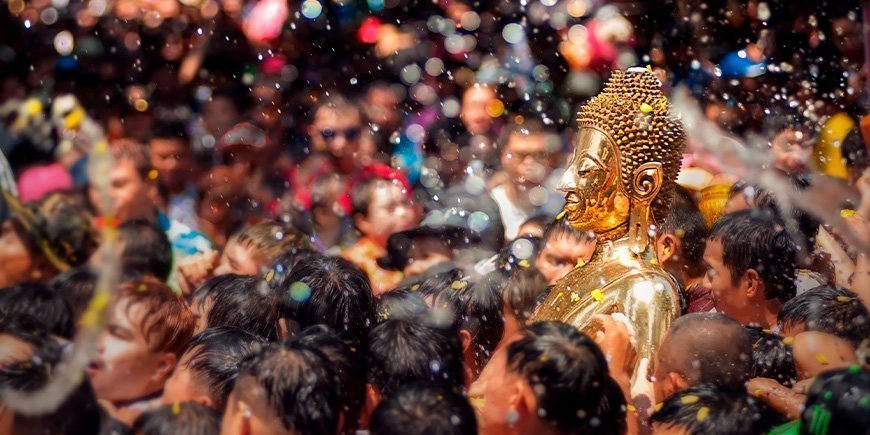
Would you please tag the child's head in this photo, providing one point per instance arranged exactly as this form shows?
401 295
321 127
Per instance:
326 208
682 236
402 351
382 206
702 348
329 291
423 408
837 402
178 418
522 294
147 328
751 264
41 303
145 250
75 286
562 247
238 301
284 389
208 366
255 248
556 381
132 189
348 365
534 226
771 357
710 409
833 310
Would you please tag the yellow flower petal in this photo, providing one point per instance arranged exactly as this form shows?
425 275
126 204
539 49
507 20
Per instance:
822 359
176 408
703 412
574 297
598 295
689 399
458 285
842 298
524 263
561 215
788 341
847 212
580 262
645 108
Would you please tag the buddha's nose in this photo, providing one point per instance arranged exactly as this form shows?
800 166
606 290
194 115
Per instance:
568 181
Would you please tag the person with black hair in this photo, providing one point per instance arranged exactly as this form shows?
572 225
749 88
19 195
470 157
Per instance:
563 248
179 418
329 291
402 303
702 348
476 310
523 291
208 366
750 266
41 303
28 359
144 251
408 350
238 301
771 357
837 402
709 409
424 408
679 246
75 286
556 381
828 309
348 367
170 153
284 389
285 262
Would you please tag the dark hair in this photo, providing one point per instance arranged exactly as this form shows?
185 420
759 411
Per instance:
76 286
402 303
187 418
348 367
403 351
753 239
476 307
361 195
570 379
714 410
299 385
135 152
78 413
524 291
269 239
685 220
40 302
168 322
424 408
807 224
241 302
333 292
518 254
213 357
168 129
828 309
563 228
284 263
528 126
771 357
147 251
837 402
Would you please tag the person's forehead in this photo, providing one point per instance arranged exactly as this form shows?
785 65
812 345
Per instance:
564 245
478 93
342 116
13 349
518 141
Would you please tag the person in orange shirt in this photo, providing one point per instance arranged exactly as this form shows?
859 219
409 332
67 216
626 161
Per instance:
381 205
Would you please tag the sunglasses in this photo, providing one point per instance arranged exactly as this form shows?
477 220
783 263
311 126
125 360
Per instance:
329 134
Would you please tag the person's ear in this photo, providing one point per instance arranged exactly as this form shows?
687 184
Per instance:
465 338
675 382
165 364
524 401
753 284
206 401
666 247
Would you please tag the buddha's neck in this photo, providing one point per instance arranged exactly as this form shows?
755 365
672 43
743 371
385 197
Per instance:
621 248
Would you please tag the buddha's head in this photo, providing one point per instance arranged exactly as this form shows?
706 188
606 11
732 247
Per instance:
626 156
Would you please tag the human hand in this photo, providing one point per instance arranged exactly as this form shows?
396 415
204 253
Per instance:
614 339
195 270
782 399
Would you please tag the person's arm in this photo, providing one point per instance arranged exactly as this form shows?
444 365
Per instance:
780 398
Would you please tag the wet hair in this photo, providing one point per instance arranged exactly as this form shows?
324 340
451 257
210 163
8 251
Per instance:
284 263
167 129
402 351
78 413
348 366
424 408
402 303
715 349
333 292
41 303
525 289
807 224
187 418
336 102
529 126
685 220
147 251
213 357
771 357
76 286
828 309
510 258
562 228
753 239
837 402
569 377
135 152
269 239
476 307
298 384
540 220
714 410
168 323
241 302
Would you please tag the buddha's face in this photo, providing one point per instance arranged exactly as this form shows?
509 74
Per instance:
595 199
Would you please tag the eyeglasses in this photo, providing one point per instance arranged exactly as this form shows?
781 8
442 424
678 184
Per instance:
539 156
329 134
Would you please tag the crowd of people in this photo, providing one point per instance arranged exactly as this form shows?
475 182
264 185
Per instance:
324 217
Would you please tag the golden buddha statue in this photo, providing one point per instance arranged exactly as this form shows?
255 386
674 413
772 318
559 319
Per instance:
618 185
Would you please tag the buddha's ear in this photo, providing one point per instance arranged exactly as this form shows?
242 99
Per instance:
646 181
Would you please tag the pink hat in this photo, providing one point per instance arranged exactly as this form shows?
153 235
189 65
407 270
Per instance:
38 181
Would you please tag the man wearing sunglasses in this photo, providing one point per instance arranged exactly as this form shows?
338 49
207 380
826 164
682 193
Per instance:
335 130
